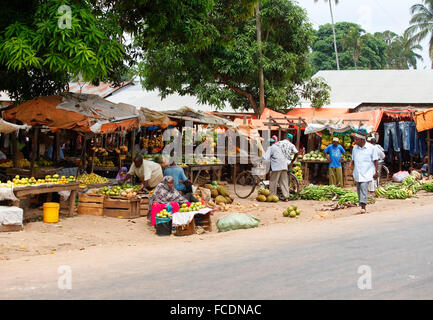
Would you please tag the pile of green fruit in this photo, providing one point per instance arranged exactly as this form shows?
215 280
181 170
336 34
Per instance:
194 206
292 212
315 156
347 156
264 195
163 214
219 193
324 193
117 190
408 188
428 186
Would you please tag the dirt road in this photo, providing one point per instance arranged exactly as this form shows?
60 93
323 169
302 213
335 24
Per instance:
316 260
82 233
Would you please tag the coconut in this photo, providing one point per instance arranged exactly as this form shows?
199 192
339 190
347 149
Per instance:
214 193
269 198
265 192
261 198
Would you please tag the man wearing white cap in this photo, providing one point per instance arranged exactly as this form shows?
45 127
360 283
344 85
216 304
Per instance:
334 153
365 167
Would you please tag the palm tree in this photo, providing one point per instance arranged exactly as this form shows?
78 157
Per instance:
409 56
353 39
422 24
333 30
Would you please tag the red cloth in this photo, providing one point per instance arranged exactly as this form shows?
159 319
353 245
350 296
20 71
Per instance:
158 207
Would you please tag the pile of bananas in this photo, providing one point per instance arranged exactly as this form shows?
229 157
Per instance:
156 142
44 163
108 164
8 164
24 163
98 162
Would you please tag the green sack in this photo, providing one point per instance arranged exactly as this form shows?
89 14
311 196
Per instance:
237 221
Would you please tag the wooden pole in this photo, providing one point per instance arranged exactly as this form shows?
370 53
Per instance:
15 148
34 150
298 136
133 143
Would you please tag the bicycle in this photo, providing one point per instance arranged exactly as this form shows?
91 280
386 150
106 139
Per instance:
247 181
383 177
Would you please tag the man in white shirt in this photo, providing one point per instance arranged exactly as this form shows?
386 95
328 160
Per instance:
278 173
365 167
149 172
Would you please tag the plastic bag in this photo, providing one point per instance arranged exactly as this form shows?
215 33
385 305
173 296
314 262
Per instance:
237 221
400 176
206 195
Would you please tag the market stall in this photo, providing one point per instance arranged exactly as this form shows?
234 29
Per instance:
320 134
65 129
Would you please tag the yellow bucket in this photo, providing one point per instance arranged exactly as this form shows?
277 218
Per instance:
51 212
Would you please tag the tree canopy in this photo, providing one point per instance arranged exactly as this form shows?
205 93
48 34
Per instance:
43 45
229 73
356 49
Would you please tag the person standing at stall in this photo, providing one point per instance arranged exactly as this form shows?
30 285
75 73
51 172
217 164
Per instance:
278 175
149 172
288 148
365 161
334 152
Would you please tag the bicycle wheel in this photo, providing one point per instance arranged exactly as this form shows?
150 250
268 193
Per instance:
245 184
294 185
383 176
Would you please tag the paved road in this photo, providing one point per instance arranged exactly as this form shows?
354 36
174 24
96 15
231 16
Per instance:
314 260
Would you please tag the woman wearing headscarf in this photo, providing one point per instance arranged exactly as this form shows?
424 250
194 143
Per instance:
165 192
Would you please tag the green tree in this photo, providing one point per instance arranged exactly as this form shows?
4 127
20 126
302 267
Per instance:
40 50
401 52
220 74
354 40
370 54
422 24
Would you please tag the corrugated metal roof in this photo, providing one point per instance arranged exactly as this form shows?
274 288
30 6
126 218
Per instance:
139 97
354 87
103 90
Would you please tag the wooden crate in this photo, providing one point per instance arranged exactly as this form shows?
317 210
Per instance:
121 208
144 206
187 230
90 204
204 221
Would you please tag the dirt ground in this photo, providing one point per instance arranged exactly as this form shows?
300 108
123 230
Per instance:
81 232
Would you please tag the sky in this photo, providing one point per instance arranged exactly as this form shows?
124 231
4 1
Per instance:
372 15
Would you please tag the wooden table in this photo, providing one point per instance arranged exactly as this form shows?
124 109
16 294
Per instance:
22 192
215 168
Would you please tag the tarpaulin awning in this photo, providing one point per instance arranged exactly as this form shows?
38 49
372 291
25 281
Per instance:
424 120
188 114
307 114
75 112
148 117
369 120
7 127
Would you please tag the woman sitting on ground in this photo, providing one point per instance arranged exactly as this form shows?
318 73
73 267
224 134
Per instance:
165 192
